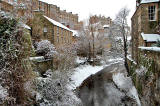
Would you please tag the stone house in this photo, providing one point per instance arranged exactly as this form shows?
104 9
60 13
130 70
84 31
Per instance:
20 8
102 19
50 10
144 20
44 27
67 18
5 6
75 36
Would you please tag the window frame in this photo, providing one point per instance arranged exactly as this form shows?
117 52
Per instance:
152 12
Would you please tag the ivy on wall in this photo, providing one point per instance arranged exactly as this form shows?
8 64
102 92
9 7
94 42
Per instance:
153 25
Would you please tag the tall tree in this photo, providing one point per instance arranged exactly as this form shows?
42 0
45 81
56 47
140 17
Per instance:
121 21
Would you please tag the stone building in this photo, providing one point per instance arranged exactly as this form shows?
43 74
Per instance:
20 8
5 6
50 10
144 20
66 18
44 27
102 19
29 9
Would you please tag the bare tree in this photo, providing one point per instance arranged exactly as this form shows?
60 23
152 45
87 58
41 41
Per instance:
121 21
91 40
92 28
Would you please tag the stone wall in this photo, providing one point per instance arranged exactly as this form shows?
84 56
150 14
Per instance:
43 66
141 23
146 77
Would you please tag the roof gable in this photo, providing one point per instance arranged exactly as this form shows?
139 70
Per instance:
50 1
56 23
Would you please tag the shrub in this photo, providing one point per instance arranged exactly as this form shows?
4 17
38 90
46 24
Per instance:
65 58
13 73
45 48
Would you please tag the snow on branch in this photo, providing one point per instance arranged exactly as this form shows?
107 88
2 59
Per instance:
45 48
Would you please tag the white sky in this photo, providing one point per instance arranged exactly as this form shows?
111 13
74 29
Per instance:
84 8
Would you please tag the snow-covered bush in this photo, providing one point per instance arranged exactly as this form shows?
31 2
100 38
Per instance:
3 95
141 71
52 91
14 70
45 48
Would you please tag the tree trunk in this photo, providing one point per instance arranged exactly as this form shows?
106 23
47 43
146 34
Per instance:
125 54
89 54
93 50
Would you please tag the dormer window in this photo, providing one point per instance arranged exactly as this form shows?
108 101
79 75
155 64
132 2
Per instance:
152 13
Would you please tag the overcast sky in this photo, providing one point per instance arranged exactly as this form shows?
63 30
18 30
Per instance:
84 8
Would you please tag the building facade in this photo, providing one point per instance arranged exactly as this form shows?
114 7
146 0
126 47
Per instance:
44 27
145 20
102 19
50 10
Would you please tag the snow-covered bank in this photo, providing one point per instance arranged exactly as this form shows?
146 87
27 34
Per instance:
125 83
83 71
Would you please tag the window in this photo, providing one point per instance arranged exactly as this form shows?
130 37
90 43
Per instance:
53 34
45 31
152 13
58 39
39 5
62 39
61 31
57 30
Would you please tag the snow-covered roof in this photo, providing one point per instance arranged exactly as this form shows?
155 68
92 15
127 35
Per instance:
157 49
75 33
105 26
26 26
23 25
150 37
149 1
39 58
50 1
57 23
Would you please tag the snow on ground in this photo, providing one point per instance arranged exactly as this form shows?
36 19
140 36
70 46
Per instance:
130 58
81 73
133 91
80 60
84 71
117 59
125 83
